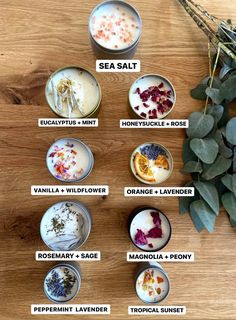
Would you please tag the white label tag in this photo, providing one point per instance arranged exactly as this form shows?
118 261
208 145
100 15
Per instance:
70 309
160 256
158 192
118 65
49 190
55 122
68 255
133 123
154 310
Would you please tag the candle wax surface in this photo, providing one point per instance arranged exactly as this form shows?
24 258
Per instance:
57 280
152 285
115 26
144 221
151 163
69 160
64 226
86 93
144 108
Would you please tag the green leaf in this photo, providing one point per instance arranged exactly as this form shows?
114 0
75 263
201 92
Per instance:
209 193
201 211
215 84
220 166
184 202
228 89
214 94
227 181
187 153
196 221
200 125
199 92
205 149
223 149
216 111
231 131
234 161
229 203
192 166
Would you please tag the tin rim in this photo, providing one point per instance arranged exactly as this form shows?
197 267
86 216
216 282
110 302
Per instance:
159 268
78 277
91 159
116 51
160 77
133 170
87 214
135 212
82 69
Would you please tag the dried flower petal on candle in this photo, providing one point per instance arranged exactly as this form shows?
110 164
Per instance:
156 218
140 237
155 232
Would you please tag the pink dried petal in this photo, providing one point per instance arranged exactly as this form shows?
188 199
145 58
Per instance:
146 105
156 218
161 85
155 232
138 90
140 238
143 114
150 245
153 117
136 108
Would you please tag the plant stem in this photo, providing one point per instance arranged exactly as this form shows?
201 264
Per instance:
212 76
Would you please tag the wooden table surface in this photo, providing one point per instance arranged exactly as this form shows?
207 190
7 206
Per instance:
37 37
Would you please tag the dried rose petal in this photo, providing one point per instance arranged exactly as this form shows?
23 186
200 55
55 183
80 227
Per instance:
140 238
161 85
156 218
138 90
146 105
143 114
136 108
150 245
155 232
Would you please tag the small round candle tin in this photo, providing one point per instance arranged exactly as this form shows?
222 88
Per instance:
62 282
69 160
114 29
151 163
73 92
152 283
149 228
66 225
151 97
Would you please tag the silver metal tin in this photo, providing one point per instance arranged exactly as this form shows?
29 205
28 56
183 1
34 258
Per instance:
134 171
102 52
86 215
90 165
94 112
137 211
73 267
142 266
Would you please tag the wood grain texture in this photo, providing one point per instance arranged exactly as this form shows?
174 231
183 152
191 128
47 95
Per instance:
38 37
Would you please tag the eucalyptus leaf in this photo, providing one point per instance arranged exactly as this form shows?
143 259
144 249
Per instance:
196 221
234 161
228 181
187 153
225 70
199 92
184 202
215 84
223 149
229 203
214 94
228 89
201 211
192 166
220 166
200 125
216 111
205 149
231 131
209 193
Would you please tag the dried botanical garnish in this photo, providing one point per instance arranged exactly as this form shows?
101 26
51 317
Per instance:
155 232
160 96
60 286
152 151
